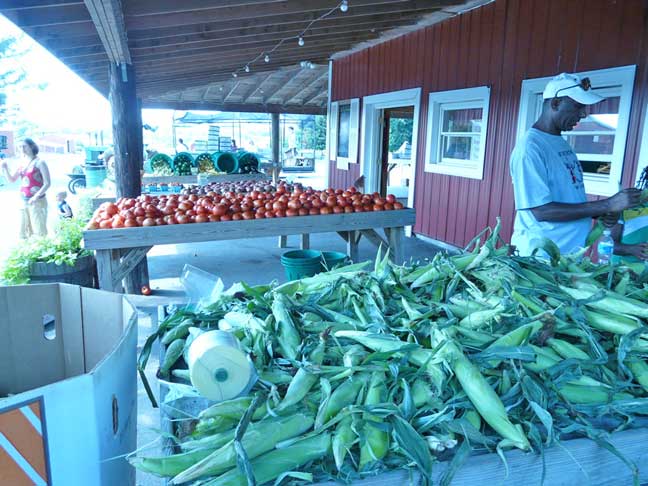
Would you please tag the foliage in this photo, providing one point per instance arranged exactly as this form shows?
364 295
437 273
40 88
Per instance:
400 131
312 133
64 248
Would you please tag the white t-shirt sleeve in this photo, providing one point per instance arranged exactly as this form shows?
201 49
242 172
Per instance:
530 178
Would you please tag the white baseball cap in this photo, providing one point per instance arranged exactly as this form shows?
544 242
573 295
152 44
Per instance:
571 85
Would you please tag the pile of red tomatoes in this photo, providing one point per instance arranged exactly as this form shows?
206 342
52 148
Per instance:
162 210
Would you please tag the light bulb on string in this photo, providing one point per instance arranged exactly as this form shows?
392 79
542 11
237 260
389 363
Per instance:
311 65
247 68
234 75
301 42
266 58
303 64
344 6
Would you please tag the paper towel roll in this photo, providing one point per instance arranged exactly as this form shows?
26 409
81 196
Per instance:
218 368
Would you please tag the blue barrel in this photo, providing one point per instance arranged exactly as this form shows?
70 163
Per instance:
95 175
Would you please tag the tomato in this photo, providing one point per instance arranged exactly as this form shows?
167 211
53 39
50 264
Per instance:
348 209
92 225
247 214
191 213
338 209
388 207
294 204
111 209
280 213
398 205
346 194
307 205
236 217
236 209
303 211
202 218
213 218
148 222
269 214
145 290
219 210
183 206
160 221
139 219
326 210
268 206
313 211
353 189
201 210
139 211
291 212
379 201
259 215
193 198
331 201
391 198
182 218
226 217
358 209
378 207
246 207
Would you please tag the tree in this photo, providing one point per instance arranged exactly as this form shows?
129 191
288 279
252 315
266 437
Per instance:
400 131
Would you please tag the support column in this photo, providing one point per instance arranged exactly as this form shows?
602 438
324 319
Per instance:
129 150
276 163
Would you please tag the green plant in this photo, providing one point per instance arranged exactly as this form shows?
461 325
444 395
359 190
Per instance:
64 248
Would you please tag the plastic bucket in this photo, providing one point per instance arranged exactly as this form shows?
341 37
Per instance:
248 162
301 263
95 175
226 162
331 259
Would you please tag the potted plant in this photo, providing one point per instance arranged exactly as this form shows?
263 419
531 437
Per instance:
58 258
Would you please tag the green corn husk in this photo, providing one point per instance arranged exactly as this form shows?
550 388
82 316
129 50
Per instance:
567 350
255 442
343 438
288 337
376 441
273 464
169 466
639 369
611 302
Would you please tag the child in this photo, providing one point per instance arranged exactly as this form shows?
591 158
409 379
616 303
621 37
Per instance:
65 211
631 233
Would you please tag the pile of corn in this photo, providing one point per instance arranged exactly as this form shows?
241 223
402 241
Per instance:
361 372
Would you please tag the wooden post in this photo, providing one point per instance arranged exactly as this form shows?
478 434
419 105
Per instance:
275 148
129 150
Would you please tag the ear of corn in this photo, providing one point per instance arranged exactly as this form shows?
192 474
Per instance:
255 442
270 466
376 441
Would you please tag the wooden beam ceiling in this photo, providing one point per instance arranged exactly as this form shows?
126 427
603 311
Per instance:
109 21
242 107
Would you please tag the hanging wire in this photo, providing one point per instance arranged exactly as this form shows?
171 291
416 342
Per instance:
266 54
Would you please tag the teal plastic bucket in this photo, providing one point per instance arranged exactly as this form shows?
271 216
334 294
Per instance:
95 175
331 259
301 263
226 162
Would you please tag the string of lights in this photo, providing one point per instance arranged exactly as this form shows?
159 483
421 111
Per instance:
265 55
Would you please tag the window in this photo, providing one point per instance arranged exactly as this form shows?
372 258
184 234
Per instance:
456 138
343 141
598 140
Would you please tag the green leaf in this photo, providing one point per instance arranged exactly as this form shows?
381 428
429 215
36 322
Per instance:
413 445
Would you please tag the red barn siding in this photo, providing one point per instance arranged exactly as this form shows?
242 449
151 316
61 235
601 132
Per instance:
498 45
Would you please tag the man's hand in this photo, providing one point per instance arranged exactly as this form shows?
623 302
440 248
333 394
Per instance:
639 251
624 199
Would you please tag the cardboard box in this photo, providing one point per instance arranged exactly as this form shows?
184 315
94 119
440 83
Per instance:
69 387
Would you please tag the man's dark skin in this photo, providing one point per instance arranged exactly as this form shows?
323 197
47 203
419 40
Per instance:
561 115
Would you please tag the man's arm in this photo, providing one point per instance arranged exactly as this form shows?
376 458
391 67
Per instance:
562 212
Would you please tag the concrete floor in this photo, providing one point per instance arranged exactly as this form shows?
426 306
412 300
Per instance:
254 261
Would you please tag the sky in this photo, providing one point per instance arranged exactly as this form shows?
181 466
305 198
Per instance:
68 102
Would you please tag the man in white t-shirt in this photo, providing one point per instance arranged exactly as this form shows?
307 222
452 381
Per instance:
547 176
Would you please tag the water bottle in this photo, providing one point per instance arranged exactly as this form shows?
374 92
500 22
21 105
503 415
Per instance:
605 248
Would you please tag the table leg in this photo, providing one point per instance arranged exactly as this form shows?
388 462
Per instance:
283 241
396 238
107 265
352 246
305 241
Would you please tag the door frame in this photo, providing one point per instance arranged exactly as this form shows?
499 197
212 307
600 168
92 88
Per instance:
643 150
370 135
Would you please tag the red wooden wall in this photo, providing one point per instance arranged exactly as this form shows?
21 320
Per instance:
497 45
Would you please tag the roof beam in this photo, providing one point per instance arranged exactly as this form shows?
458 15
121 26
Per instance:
314 96
108 18
72 35
255 11
229 93
258 87
28 4
281 85
233 107
313 82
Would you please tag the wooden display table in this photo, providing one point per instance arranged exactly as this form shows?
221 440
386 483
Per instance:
119 251
193 179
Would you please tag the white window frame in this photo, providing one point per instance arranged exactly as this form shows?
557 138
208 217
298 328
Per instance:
643 151
342 163
623 76
438 102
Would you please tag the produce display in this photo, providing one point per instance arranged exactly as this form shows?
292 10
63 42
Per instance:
238 187
182 164
149 210
205 163
161 164
365 371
